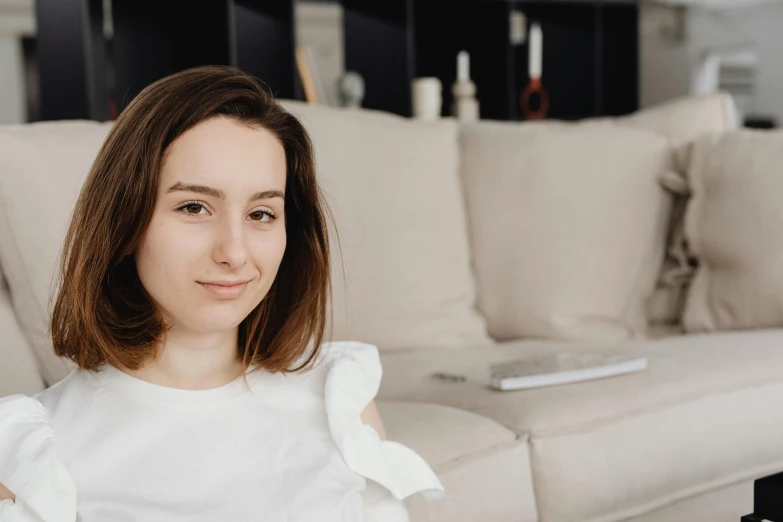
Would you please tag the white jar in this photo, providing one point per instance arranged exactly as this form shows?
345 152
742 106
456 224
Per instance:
427 98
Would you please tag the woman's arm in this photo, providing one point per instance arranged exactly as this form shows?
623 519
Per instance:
372 416
5 494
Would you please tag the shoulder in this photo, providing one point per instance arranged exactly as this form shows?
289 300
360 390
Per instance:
19 414
352 357
29 465
353 377
351 360
333 351
24 432
73 393
353 374
50 396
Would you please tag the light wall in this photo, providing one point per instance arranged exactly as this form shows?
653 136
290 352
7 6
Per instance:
669 56
16 20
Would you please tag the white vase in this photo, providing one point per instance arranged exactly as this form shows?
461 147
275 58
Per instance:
427 98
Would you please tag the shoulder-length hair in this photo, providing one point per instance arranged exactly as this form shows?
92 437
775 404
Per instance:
102 313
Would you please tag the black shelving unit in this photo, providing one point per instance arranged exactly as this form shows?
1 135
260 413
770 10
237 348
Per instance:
380 44
481 29
71 60
590 52
262 41
153 39
591 57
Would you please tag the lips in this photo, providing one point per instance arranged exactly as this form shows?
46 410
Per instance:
225 289
223 283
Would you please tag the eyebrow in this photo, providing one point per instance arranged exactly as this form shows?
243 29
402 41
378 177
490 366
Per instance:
216 193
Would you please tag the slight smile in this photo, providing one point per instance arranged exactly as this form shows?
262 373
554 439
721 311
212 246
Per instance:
225 289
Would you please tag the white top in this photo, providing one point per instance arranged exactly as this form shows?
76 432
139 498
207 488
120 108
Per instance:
113 448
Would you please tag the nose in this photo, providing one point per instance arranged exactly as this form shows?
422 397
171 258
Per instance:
229 244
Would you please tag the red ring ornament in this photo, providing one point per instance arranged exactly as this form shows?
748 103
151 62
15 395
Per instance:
534 87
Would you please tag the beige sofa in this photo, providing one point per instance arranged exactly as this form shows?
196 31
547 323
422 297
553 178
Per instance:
468 245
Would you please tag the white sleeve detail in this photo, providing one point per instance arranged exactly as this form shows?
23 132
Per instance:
30 467
381 506
352 381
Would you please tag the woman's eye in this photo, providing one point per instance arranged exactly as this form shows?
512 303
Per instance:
193 209
262 216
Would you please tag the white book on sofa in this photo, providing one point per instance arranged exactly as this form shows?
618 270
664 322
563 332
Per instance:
561 368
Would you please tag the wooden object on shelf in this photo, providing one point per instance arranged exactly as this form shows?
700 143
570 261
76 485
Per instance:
306 75
465 106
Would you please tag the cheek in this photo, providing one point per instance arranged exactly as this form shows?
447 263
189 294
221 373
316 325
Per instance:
162 253
269 252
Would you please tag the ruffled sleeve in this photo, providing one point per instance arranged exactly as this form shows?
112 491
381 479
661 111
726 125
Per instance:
29 466
352 381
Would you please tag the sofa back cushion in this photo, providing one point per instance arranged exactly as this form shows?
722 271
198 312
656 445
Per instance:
43 168
734 227
683 121
394 187
18 366
568 224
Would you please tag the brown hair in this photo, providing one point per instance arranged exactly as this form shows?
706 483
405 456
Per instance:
102 313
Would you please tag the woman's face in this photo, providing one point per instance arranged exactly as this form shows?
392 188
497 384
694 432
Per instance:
217 234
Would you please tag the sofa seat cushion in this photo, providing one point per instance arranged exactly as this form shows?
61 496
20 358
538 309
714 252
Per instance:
703 415
483 465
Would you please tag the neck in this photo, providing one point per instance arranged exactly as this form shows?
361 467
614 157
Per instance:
193 360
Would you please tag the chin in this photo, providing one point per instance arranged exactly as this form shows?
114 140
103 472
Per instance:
217 320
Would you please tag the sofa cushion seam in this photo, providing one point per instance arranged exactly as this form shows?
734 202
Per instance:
520 440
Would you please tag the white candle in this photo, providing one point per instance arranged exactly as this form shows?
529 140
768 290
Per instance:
463 66
535 58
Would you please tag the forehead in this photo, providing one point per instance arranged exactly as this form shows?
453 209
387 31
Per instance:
220 151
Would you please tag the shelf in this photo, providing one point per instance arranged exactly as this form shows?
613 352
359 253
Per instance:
152 40
590 53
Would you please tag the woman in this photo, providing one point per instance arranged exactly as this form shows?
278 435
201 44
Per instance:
193 293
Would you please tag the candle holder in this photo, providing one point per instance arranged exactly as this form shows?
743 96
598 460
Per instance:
465 106
535 87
